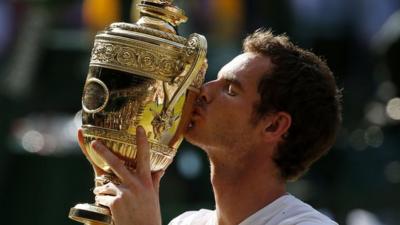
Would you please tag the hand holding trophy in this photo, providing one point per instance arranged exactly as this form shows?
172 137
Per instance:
144 75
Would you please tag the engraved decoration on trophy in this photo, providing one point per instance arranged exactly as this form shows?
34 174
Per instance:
139 74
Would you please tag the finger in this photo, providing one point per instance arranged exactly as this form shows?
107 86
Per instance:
108 189
105 200
143 153
116 164
81 142
156 177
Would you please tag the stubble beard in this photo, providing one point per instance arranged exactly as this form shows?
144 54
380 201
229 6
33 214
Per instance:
217 140
195 138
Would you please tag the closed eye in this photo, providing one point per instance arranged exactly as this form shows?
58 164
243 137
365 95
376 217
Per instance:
232 86
230 89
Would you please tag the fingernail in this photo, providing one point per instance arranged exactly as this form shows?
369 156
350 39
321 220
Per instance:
95 144
140 129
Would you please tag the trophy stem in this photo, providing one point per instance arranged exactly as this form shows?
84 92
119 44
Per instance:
94 214
91 214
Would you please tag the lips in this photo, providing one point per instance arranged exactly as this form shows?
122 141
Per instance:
197 112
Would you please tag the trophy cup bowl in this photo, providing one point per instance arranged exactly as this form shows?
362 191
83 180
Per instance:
141 74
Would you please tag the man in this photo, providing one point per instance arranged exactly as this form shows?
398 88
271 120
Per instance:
271 113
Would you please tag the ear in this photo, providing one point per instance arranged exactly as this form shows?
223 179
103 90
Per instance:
276 126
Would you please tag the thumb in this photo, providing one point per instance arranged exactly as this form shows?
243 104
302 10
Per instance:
81 142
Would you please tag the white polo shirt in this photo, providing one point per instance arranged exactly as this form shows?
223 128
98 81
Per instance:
286 210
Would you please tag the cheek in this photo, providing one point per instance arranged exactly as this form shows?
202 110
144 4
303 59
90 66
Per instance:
234 109
229 120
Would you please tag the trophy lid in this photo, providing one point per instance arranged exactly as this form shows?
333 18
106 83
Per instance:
150 47
161 15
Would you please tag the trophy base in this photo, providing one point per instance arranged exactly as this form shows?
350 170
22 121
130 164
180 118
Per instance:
90 214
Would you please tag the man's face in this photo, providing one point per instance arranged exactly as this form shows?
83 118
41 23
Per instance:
223 113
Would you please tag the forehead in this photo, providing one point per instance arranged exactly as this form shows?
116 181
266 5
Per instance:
246 67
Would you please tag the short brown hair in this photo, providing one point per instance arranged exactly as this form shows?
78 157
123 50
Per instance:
302 85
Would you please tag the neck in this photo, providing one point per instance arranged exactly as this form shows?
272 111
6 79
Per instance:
241 189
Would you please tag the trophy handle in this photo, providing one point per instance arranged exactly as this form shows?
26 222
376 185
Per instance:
194 55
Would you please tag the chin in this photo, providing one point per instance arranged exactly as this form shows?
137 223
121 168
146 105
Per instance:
189 135
192 135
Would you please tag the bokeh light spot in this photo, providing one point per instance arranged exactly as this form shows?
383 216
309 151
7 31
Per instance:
374 136
33 141
362 217
189 163
375 113
357 140
393 108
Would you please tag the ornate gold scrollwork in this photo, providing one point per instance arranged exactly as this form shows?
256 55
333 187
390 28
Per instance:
126 142
134 56
127 57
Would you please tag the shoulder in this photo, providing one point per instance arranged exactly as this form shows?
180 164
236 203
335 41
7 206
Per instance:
200 217
288 210
298 212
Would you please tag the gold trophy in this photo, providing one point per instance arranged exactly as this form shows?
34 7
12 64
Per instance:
139 74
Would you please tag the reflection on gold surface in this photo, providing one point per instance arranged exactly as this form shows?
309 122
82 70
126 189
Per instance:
132 83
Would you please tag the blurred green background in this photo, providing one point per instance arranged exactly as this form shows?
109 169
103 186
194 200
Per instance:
44 55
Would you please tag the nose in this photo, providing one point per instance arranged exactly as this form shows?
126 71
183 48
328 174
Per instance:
206 93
